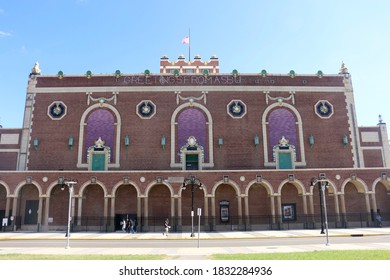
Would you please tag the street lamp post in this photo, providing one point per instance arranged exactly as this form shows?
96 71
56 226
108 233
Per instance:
322 184
70 184
192 181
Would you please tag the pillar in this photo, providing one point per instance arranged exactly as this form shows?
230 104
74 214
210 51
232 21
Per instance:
206 210
304 203
172 207
105 207
279 207
7 206
46 214
373 201
112 206
366 197
139 208
146 211
246 209
239 203
272 202
179 211
213 212
40 203
79 208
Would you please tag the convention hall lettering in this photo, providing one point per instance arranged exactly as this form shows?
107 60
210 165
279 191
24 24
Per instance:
182 80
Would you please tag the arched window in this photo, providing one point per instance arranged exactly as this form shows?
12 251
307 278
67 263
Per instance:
281 124
99 134
100 123
191 122
191 146
283 141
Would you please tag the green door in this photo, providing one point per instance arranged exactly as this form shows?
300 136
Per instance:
192 162
285 161
98 162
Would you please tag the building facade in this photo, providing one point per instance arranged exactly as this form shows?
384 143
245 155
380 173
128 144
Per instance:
261 146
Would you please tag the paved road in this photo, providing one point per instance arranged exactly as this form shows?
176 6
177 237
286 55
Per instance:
181 246
381 241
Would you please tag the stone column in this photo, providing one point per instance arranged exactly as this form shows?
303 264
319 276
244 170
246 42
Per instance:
46 214
272 201
7 206
14 213
79 208
105 209
239 199
206 210
139 208
179 211
246 210
213 211
337 207
39 221
368 207
112 211
304 204
173 207
146 211
311 204
373 201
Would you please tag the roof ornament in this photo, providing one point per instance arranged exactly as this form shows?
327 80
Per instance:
36 70
343 69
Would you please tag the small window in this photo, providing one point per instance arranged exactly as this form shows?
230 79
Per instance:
189 71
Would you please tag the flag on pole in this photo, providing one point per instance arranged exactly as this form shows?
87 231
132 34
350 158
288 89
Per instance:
185 40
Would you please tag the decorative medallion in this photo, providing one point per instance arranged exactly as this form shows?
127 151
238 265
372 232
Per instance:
236 109
56 110
146 109
324 109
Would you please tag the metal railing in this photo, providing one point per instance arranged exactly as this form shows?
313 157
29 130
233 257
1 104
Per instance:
183 224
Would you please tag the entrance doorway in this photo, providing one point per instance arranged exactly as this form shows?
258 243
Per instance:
31 212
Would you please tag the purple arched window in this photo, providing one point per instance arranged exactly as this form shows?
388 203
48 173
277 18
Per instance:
192 122
282 123
100 123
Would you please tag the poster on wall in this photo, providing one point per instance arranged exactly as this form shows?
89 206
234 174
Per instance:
289 212
224 211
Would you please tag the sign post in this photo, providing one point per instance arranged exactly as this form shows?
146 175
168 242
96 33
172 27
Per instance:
199 214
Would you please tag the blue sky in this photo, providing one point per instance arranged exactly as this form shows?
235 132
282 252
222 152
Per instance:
102 36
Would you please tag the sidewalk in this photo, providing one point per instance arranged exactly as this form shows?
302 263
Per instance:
195 252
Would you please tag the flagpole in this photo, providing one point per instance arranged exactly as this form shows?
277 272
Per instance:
189 45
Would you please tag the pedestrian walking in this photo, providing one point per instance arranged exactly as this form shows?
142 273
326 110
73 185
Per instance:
123 224
132 223
166 227
378 219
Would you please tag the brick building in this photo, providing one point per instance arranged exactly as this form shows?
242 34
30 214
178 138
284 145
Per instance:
261 145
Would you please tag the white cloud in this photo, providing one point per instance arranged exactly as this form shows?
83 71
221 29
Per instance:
23 49
4 34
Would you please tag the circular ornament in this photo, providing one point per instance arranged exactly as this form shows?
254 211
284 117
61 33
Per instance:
146 109
56 110
236 109
324 109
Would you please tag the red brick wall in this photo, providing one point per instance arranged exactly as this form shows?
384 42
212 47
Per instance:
259 201
126 200
354 200
159 202
373 158
382 198
145 152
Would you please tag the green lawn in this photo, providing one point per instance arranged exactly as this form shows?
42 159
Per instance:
315 255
